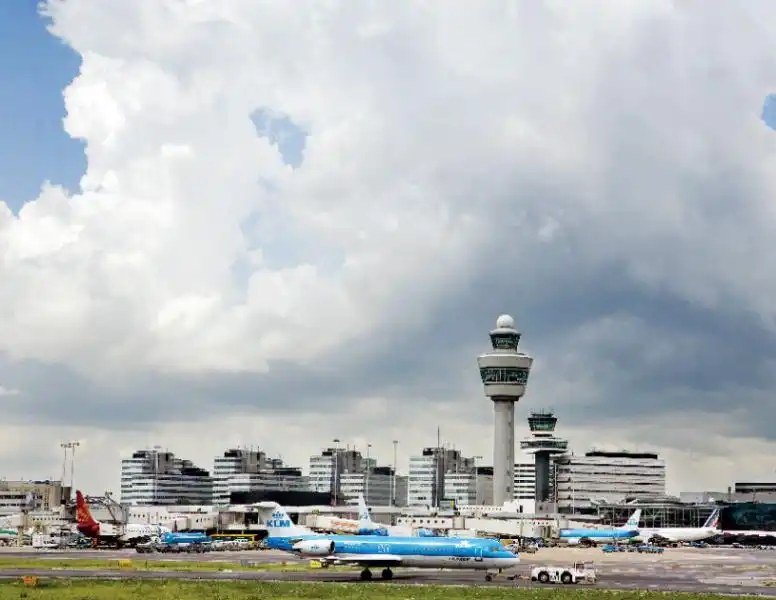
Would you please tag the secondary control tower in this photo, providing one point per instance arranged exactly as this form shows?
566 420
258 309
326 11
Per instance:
504 373
543 445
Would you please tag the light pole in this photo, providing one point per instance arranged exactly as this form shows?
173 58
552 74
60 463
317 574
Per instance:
393 477
336 468
476 481
368 472
72 445
156 474
72 464
64 446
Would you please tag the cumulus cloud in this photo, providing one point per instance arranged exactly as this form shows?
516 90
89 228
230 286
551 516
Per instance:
292 212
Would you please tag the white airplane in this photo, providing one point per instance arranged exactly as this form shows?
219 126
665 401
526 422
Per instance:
363 525
119 535
682 534
589 535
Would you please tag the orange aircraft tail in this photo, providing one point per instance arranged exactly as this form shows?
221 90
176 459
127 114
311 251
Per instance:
86 523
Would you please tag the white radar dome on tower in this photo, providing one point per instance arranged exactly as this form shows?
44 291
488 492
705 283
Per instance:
505 322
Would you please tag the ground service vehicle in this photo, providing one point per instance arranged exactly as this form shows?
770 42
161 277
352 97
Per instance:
579 572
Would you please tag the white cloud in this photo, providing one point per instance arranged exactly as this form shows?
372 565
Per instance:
442 138
8 392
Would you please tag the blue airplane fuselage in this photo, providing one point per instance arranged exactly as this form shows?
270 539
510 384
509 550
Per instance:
441 552
184 538
598 534
376 531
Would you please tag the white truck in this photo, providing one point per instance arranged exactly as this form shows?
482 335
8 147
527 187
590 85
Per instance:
580 572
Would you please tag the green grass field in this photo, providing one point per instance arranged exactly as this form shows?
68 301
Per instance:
151 565
237 590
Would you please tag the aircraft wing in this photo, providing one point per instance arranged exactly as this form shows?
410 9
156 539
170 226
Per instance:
365 559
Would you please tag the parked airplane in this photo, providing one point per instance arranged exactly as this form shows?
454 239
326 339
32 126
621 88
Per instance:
107 532
595 536
366 526
369 527
175 537
388 552
682 534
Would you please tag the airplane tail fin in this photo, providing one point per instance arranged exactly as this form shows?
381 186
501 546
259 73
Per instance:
363 512
713 521
86 523
633 520
277 521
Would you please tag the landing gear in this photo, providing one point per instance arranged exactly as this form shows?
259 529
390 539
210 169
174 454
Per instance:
366 575
488 577
387 574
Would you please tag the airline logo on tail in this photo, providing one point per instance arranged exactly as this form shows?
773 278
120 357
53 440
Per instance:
279 520
713 521
363 511
633 520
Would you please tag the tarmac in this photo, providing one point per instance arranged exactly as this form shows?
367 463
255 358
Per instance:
711 570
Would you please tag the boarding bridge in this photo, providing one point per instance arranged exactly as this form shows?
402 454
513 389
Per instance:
516 527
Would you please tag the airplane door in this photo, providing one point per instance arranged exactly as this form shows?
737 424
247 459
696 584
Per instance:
478 554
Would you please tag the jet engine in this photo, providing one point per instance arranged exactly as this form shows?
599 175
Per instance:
572 541
314 547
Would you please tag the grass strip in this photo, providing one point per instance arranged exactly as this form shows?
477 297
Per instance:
148 565
95 589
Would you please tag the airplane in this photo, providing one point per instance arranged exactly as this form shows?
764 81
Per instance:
626 532
682 534
120 535
369 527
184 538
8 534
366 526
388 552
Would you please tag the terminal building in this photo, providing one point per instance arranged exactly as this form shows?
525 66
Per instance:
241 470
525 484
582 483
154 478
18 496
344 473
426 486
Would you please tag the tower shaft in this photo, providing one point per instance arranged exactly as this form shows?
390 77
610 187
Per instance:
542 460
503 449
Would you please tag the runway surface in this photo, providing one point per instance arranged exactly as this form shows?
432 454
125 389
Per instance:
718 571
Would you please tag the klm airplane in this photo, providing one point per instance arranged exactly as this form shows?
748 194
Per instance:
184 538
386 552
366 526
594 536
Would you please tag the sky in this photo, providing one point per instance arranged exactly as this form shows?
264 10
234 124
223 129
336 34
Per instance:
275 224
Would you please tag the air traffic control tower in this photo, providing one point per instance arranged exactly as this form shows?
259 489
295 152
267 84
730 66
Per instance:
504 373
543 445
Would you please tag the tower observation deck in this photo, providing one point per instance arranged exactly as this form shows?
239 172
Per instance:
543 445
504 373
